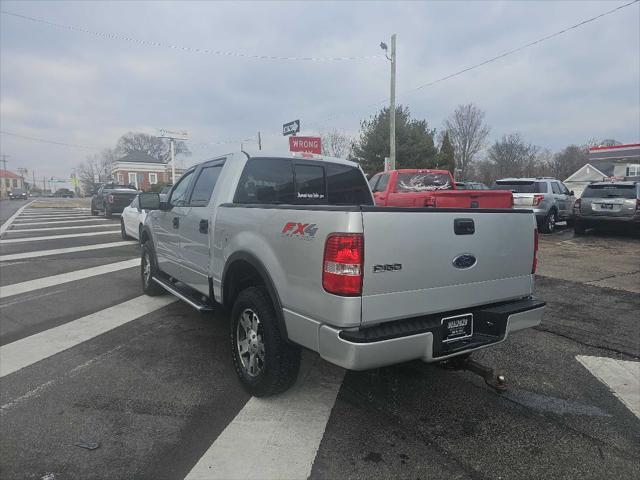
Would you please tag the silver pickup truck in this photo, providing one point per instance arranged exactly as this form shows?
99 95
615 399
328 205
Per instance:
296 251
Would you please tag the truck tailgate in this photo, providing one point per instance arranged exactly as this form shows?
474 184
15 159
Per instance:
421 261
473 199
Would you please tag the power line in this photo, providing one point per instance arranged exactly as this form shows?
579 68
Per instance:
518 49
490 60
153 43
41 140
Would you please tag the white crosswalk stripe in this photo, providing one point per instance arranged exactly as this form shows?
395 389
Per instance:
621 376
28 286
61 251
57 237
27 351
48 229
283 432
59 222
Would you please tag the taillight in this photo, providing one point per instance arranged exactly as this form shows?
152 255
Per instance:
534 265
110 198
638 204
537 199
430 201
343 263
577 204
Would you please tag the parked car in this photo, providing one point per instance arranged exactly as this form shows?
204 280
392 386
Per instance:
606 204
296 250
132 220
64 193
431 188
550 199
112 198
18 194
471 186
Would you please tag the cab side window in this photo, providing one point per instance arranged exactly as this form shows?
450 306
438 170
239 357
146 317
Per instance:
382 184
204 186
556 188
179 193
266 180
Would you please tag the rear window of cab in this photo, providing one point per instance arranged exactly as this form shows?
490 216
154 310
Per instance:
301 182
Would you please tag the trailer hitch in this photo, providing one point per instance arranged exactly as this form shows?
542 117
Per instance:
492 377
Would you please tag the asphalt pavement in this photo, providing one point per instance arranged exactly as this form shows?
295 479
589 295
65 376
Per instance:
99 381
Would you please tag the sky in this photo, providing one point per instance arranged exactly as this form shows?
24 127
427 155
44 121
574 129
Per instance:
87 89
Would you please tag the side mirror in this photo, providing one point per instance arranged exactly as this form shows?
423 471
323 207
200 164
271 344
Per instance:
572 194
149 201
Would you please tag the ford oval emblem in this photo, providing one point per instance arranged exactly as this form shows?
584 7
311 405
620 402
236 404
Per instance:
466 260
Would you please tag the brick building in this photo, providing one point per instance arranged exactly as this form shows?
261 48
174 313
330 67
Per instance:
9 181
141 170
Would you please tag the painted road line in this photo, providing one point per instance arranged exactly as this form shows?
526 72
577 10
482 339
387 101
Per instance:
6 224
50 217
621 376
61 251
49 229
53 280
56 237
29 350
59 222
282 433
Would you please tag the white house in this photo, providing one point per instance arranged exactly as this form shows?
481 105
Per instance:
606 163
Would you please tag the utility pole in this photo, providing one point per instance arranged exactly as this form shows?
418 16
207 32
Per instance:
173 163
4 161
392 107
259 142
4 181
392 101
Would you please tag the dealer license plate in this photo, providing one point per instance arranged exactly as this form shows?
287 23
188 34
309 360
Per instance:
457 328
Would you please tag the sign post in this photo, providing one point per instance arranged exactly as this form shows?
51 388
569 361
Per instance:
173 135
305 144
291 128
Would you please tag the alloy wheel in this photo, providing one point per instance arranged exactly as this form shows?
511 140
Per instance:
249 342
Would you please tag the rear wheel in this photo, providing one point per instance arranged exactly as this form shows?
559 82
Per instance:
549 223
579 228
149 269
265 362
94 212
107 211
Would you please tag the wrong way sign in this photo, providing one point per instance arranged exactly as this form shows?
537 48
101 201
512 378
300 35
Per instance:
305 144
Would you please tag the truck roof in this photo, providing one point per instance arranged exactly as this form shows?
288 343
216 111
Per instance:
301 156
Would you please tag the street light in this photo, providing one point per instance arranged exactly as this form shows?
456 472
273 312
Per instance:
392 103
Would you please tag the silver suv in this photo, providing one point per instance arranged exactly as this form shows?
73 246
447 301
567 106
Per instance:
608 203
549 198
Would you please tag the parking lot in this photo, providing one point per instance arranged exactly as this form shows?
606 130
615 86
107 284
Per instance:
100 381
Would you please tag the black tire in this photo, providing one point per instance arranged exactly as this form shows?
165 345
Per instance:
278 367
579 228
123 231
140 234
94 212
107 211
549 223
148 258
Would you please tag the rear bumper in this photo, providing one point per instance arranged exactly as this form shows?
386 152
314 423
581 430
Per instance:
593 219
421 338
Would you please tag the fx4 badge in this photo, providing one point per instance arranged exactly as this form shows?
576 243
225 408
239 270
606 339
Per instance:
387 267
305 231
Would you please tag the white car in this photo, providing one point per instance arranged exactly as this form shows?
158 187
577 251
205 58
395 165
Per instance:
132 220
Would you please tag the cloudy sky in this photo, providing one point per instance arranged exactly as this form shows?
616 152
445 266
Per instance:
83 89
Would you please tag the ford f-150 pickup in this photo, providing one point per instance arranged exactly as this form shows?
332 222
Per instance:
431 188
295 249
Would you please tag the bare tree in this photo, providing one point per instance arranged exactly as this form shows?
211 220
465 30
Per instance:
155 147
567 161
336 143
468 134
96 169
512 157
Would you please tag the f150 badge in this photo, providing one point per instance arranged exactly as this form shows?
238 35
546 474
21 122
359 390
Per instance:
305 231
387 267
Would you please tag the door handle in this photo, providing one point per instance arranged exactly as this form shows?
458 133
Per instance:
176 222
204 226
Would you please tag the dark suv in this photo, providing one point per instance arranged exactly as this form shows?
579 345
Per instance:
608 203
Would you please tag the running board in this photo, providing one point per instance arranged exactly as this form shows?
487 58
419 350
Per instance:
186 297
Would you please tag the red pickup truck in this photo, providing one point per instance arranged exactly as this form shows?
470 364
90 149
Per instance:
431 188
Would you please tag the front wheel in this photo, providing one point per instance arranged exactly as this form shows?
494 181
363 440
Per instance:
265 362
579 228
123 231
149 269
549 223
